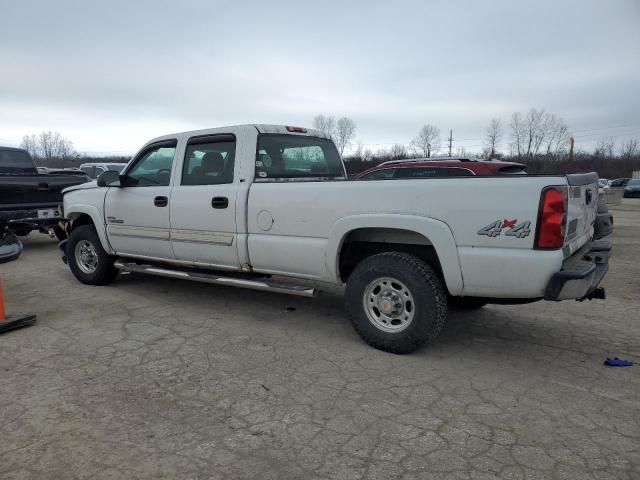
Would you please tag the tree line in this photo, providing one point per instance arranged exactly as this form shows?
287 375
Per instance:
51 149
537 138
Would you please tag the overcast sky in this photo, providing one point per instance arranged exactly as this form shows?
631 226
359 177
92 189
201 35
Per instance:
110 75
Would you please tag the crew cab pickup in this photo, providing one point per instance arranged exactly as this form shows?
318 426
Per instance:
259 206
30 200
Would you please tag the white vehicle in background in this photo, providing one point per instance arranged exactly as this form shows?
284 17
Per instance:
94 170
237 205
603 184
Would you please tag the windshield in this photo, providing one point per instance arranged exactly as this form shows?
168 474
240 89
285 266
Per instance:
16 161
634 183
296 156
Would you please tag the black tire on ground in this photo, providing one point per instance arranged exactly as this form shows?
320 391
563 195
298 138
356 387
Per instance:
20 231
468 303
60 233
424 286
104 271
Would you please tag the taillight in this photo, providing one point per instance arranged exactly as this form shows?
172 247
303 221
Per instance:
552 218
296 130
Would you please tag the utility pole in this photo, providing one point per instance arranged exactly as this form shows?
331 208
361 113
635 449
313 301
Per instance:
450 140
571 140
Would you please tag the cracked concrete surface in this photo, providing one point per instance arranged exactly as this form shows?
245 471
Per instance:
156 378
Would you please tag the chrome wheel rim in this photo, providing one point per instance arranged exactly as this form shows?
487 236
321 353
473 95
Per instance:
86 256
389 304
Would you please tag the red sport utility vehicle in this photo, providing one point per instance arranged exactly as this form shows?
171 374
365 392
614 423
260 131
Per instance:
445 167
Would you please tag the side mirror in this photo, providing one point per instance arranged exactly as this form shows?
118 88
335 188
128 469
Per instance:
109 179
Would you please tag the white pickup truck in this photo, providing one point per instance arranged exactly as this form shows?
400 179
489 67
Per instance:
248 205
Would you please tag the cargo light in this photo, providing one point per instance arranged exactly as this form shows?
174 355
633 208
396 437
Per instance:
296 130
552 218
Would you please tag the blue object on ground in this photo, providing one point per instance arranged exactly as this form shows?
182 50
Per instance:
617 362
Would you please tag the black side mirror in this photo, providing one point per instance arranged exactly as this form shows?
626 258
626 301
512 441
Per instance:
109 179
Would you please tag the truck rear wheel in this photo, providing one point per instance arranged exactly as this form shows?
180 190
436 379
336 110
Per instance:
88 261
396 302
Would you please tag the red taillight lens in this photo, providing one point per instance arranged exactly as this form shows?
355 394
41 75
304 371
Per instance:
296 130
552 218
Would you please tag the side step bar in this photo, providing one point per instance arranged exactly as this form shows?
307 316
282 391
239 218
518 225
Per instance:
215 278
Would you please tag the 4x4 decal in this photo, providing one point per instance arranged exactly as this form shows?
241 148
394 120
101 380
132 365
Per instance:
513 228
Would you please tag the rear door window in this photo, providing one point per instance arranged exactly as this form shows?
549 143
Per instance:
209 160
297 157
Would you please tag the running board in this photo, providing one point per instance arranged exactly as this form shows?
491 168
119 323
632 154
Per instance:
212 277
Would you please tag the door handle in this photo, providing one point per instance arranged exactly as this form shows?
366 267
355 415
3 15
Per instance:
219 202
43 186
161 201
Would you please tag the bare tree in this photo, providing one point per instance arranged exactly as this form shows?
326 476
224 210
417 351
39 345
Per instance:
345 130
398 152
65 149
493 137
48 146
517 134
605 148
360 151
629 148
427 141
536 133
326 124
30 144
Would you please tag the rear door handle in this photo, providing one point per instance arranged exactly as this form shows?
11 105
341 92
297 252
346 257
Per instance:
161 201
43 186
219 202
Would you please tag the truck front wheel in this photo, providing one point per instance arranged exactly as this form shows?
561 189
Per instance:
396 302
88 261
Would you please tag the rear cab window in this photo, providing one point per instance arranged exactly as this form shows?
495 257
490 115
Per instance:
297 157
16 162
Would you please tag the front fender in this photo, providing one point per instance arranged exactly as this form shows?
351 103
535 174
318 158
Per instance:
436 232
74 211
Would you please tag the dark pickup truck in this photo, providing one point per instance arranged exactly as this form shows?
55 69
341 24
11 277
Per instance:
30 200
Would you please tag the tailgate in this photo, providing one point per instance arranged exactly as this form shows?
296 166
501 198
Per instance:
581 211
20 192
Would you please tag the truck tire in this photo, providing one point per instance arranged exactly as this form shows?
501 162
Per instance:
396 302
21 231
59 233
467 303
88 261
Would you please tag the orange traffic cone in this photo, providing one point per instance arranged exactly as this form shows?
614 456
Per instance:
11 322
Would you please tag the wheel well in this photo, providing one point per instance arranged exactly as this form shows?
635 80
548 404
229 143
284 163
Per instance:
365 242
82 219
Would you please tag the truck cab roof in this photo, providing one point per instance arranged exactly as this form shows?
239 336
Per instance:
260 127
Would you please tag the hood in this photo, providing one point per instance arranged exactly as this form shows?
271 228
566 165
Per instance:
82 186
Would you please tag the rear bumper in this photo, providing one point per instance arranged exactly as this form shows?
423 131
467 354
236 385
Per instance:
581 274
30 216
603 225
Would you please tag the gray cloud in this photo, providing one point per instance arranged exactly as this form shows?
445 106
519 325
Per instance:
110 75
